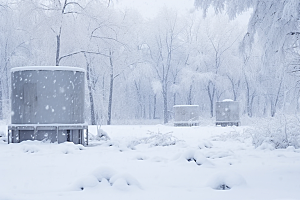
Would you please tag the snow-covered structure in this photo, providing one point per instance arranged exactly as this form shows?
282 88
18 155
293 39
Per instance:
186 115
47 103
227 113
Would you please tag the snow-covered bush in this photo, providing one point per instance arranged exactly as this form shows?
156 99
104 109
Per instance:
234 134
156 139
3 137
69 147
280 132
205 144
197 157
101 135
2 133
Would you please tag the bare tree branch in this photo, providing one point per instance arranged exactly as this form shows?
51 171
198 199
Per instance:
84 52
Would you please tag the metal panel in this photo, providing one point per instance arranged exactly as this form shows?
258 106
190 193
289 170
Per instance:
47 97
77 134
26 135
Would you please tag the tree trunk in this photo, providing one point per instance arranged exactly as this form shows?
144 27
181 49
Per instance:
149 107
211 90
166 114
110 100
174 99
141 109
189 100
57 49
111 85
249 100
91 97
274 105
154 106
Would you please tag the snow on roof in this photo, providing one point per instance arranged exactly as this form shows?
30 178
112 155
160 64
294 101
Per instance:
47 68
185 106
227 100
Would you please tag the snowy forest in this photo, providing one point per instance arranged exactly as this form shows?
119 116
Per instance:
138 69
99 101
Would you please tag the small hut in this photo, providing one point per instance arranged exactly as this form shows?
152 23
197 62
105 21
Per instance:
186 115
47 104
227 113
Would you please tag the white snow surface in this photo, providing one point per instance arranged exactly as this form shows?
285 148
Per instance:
203 161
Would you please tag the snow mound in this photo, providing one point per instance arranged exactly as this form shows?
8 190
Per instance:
30 149
111 143
122 181
100 136
291 148
266 146
141 157
197 157
106 177
69 147
85 182
205 144
30 146
218 154
3 137
104 173
158 159
3 140
226 181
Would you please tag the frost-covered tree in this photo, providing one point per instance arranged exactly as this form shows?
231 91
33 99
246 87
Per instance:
114 38
214 54
275 26
14 50
275 21
165 51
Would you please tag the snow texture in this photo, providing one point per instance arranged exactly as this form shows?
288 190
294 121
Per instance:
212 163
226 181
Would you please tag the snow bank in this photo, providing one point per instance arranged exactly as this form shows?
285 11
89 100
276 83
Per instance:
226 180
69 147
202 168
104 177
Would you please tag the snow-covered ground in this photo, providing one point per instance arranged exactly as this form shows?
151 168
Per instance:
132 165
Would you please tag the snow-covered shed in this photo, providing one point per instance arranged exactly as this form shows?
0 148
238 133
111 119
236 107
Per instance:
47 103
186 115
227 113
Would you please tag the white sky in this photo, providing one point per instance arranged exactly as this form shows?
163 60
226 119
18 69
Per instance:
149 8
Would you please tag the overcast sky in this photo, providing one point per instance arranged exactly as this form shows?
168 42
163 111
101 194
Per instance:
149 8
